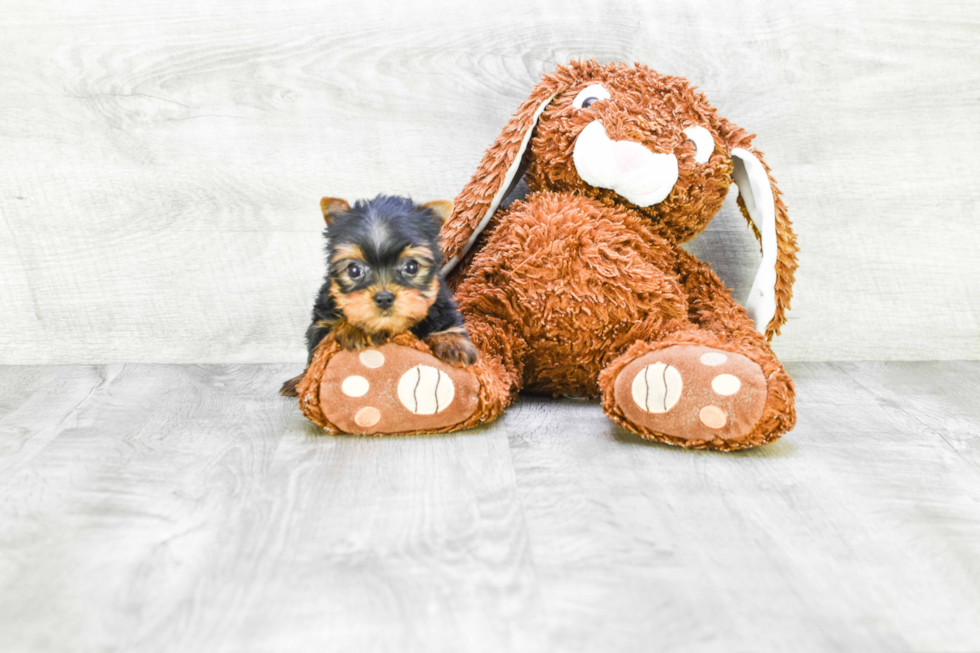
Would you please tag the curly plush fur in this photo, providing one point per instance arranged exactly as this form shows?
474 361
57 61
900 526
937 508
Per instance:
564 289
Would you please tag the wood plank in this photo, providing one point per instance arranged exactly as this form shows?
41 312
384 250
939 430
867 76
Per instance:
35 404
858 531
162 162
942 398
192 509
189 508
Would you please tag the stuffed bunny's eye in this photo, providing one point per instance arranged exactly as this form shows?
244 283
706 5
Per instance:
588 95
704 143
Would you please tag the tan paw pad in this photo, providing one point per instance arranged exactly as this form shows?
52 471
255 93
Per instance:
657 388
424 390
713 358
355 386
726 384
712 417
371 358
367 416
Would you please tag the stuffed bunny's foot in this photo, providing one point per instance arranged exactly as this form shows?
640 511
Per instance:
395 389
691 395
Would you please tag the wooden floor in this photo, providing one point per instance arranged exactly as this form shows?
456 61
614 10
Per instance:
182 508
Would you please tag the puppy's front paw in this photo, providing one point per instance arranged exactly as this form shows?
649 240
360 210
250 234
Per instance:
453 348
349 337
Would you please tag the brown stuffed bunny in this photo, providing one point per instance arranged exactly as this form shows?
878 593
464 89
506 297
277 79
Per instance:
583 288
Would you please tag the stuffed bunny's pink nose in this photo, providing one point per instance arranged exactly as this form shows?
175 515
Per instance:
628 156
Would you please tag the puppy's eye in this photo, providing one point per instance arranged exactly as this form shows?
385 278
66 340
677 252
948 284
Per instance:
354 271
704 143
411 268
589 95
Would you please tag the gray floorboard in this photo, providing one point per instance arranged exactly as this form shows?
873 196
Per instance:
189 508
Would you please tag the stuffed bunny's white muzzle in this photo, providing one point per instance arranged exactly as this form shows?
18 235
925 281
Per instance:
628 168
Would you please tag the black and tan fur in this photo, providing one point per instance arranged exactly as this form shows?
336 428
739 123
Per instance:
383 261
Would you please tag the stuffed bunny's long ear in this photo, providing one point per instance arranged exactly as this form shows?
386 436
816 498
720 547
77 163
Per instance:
497 174
760 200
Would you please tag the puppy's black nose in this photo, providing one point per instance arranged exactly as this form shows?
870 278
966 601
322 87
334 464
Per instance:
384 299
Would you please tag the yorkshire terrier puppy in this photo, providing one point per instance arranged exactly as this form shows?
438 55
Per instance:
383 260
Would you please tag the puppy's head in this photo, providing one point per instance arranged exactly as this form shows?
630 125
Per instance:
384 259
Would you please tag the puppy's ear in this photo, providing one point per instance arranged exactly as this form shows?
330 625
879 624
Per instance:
498 172
442 209
332 207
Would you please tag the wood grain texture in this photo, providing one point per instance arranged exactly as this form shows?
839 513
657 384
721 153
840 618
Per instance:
162 161
152 508
857 531
192 509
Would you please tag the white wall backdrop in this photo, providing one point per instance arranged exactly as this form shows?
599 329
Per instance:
161 161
